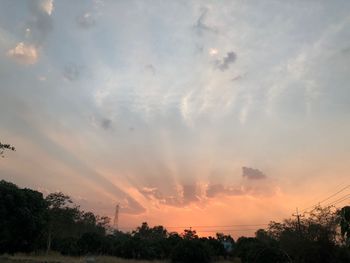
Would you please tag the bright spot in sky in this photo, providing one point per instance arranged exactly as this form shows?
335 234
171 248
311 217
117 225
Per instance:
47 6
213 51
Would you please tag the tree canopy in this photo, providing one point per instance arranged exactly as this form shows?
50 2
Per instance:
31 222
4 147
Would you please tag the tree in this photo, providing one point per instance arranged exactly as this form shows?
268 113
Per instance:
4 147
62 217
345 224
22 218
315 239
191 250
227 241
189 234
149 242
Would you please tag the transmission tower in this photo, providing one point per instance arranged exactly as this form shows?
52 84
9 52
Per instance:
116 217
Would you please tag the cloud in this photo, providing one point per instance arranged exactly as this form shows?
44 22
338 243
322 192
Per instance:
71 72
150 68
227 61
213 51
155 194
245 188
188 194
86 20
252 174
131 206
47 6
40 24
253 186
201 26
41 6
239 77
106 124
218 189
24 53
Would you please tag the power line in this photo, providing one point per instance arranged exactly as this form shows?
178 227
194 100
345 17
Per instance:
327 198
198 227
341 199
218 226
226 230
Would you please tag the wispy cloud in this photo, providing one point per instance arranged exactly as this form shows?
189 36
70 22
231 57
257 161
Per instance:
86 20
200 26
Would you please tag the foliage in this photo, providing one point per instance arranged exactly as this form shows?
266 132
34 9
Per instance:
30 223
22 218
191 250
4 147
315 238
344 214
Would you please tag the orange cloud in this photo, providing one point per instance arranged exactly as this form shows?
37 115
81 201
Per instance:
24 54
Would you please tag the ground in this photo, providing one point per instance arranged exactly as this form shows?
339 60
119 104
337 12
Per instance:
56 258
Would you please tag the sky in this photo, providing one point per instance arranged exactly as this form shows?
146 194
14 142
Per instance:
186 113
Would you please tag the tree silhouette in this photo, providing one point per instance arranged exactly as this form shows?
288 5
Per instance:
345 224
4 147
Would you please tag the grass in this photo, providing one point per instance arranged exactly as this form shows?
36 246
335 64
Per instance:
20 258
58 258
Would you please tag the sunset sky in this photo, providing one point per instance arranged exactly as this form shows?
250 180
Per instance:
187 113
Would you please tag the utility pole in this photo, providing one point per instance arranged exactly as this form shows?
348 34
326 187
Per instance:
297 215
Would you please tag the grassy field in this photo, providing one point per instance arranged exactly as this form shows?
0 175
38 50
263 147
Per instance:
56 258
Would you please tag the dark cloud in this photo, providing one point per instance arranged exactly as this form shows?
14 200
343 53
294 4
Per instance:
226 61
72 72
106 124
200 26
40 24
189 195
252 174
154 193
236 78
219 189
239 77
150 68
86 20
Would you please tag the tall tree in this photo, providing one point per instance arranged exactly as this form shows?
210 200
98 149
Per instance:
62 216
22 218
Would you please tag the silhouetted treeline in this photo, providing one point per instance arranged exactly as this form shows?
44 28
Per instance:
29 223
